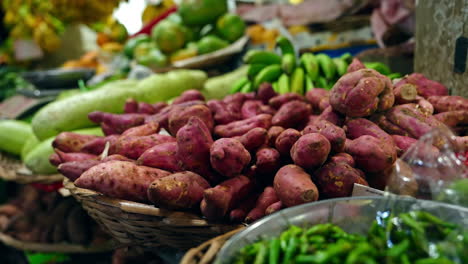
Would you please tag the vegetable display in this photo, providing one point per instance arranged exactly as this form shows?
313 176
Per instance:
414 237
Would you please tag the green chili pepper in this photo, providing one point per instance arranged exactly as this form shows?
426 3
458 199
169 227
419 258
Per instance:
407 220
398 249
320 229
425 216
434 261
405 259
305 259
359 251
274 251
292 246
261 255
316 239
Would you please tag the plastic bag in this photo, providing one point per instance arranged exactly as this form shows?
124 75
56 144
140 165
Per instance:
432 169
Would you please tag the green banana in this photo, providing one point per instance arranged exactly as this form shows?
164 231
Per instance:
322 82
341 66
310 64
262 57
297 81
269 74
275 87
238 85
347 57
378 66
283 84
327 65
247 88
285 45
288 63
309 83
254 69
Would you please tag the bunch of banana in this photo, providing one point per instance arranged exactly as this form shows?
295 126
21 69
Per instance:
84 11
287 73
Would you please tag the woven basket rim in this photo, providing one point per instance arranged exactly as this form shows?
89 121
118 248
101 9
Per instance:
12 169
56 247
171 217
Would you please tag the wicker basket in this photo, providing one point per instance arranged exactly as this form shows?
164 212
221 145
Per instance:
58 248
137 224
12 169
206 252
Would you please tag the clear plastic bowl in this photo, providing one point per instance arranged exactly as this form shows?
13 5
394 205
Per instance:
353 214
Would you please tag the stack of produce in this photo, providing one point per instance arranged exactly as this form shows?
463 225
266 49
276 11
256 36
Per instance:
405 238
198 27
38 216
287 73
251 154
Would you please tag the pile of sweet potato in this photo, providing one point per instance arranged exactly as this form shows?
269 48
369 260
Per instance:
39 216
252 154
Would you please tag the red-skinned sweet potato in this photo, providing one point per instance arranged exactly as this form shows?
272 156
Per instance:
118 123
424 86
285 141
279 100
108 130
355 65
158 107
343 157
63 157
312 119
332 116
268 160
189 95
251 108
453 118
273 208
223 113
424 106
71 142
337 180
324 104
405 93
73 169
181 190
229 157
267 198
145 108
382 121
310 151
359 127
221 199
193 148
134 146
254 139
97 145
239 213
361 93
179 117
265 92
334 134
315 95
273 134
235 101
371 154
162 117
162 156
292 114
120 179
143 130
448 103
131 106
403 143
238 128
294 186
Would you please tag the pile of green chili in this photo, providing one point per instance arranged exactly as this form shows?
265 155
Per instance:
415 237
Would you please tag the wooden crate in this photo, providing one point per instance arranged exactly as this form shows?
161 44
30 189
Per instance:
442 42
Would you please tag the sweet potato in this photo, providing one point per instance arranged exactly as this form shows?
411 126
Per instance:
143 130
235 101
285 141
108 130
405 93
279 100
361 93
411 120
359 127
162 156
119 123
134 146
343 158
332 116
334 134
453 118
273 133
222 112
221 199
181 190
382 121
424 106
294 186
162 117
273 208
315 95
72 156
189 95
238 128
71 142
178 118
267 198
312 119
355 65
73 169
324 104
251 108
158 107
291 114
146 108
97 145
193 148
310 151
371 154
229 157
254 139
337 180
120 179
461 143
403 143
265 92
268 160
424 86
239 213
131 106
448 103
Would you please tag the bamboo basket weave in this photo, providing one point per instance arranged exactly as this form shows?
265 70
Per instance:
138 224
12 169
206 252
